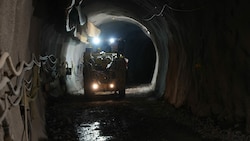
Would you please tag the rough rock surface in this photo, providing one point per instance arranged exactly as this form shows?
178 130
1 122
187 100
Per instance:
133 118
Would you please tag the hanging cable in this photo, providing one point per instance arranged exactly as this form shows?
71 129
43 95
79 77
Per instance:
173 9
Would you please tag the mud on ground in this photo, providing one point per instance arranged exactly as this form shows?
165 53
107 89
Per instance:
100 118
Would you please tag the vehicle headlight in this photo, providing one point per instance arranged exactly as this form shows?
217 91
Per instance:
96 40
111 85
111 40
95 86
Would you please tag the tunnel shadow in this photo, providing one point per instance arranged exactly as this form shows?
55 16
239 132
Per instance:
88 98
103 97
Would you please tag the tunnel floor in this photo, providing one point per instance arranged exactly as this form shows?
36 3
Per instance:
106 117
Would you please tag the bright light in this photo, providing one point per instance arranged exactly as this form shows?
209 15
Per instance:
89 131
148 32
95 86
111 40
111 85
96 40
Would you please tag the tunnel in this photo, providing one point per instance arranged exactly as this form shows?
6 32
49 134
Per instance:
190 54
139 44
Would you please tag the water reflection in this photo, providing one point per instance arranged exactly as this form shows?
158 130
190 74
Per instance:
91 132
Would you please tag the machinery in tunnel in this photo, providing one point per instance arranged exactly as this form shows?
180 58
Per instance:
139 47
104 71
200 49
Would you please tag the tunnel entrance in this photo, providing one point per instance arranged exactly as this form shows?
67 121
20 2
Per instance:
135 45
138 49
113 21
205 43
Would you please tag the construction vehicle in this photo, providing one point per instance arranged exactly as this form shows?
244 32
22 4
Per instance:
104 71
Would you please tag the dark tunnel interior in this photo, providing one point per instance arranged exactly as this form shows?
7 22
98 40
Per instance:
190 54
139 48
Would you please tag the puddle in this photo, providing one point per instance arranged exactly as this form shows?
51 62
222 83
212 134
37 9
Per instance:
91 132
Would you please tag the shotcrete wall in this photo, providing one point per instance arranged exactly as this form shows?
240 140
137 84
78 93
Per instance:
209 61
207 50
19 33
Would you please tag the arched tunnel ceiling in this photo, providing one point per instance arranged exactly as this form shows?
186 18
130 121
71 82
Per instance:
96 11
115 20
122 24
209 48
116 14
118 29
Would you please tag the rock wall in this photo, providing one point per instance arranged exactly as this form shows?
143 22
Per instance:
209 61
19 33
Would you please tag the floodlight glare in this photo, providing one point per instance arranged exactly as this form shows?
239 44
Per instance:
95 86
111 40
96 40
111 85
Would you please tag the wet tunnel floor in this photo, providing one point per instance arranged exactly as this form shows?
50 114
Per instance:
101 118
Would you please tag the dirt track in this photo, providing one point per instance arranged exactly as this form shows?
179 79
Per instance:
109 118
